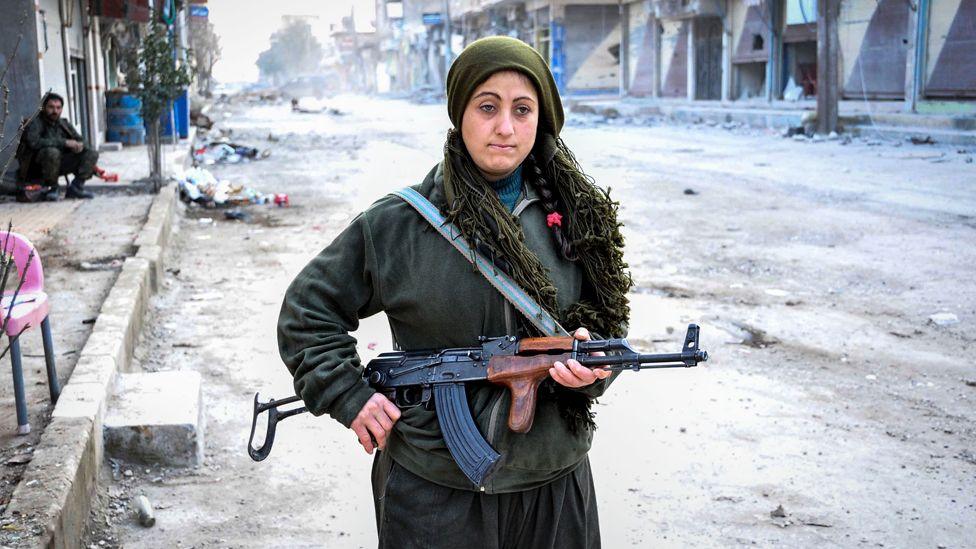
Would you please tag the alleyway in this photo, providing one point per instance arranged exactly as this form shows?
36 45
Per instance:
813 268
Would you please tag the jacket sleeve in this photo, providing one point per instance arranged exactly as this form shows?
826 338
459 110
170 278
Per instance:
321 306
35 140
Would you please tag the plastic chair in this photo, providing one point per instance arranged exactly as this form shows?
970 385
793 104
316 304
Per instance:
29 310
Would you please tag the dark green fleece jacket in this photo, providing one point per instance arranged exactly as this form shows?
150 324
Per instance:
390 259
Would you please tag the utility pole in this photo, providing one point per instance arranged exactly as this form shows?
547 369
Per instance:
448 54
828 75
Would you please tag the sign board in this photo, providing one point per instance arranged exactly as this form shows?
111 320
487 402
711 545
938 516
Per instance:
433 18
394 10
199 11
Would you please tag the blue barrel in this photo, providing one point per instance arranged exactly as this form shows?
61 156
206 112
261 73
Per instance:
180 115
124 119
126 136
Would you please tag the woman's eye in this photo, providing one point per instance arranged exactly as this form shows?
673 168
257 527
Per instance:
523 110
487 108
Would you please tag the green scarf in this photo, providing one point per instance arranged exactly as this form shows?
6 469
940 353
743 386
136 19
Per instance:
590 233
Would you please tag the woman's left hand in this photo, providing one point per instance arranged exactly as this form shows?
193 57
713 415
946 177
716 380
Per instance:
572 373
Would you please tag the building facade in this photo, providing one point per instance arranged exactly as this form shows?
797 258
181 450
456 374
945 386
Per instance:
74 48
920 52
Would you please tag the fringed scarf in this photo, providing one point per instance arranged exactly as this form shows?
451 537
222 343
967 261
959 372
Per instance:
589 224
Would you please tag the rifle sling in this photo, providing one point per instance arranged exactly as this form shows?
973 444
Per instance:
539 317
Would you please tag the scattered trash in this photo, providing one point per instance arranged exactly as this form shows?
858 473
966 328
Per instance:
871 377
218 152
943 319
20 459
690 192
792 92
237 215
200 186
103 265
281 199
970 382
927 140
778 512
33 482
833 136
145 511
128 473
105 176
777 293
794 130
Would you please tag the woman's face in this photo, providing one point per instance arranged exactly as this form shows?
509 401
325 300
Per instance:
499 123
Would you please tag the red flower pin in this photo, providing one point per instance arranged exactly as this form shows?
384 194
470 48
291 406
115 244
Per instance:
554 219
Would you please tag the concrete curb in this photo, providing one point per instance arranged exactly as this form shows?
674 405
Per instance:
58 485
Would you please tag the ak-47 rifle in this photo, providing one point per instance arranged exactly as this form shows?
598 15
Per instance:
437 377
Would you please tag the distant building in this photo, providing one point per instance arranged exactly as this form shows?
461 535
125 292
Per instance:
75 49
919 51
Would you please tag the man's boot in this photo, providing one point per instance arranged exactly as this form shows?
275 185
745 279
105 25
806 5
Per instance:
76 189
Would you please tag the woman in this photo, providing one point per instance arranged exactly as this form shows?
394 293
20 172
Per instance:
517 194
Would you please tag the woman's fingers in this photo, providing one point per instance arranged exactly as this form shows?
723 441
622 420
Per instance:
374 422
391 409
363 435
574 374
582 334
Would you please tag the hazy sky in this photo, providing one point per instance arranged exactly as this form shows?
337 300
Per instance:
245 27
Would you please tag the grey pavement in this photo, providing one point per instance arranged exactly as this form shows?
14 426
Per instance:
81 245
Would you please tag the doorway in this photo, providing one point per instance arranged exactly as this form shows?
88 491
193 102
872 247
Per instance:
79 97
708 58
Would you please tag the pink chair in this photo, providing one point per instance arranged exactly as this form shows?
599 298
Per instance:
27 309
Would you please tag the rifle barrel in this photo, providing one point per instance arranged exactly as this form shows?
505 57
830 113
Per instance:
664 360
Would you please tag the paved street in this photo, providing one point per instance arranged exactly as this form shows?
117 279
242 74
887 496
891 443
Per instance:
813 268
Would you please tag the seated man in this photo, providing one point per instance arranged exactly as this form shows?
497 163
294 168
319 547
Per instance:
51 147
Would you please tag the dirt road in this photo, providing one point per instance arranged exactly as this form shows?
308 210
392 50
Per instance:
836 410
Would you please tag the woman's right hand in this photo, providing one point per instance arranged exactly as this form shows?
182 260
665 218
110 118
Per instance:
375 422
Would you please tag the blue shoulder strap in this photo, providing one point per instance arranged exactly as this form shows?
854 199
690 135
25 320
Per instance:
538 316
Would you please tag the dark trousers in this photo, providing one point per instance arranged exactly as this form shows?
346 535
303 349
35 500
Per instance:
415 513
49 163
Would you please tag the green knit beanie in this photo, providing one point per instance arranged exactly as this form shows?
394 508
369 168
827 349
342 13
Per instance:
486 56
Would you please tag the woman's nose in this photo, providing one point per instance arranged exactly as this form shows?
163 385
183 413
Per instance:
505 125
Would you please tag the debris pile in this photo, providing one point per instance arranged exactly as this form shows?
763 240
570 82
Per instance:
219 152
200 186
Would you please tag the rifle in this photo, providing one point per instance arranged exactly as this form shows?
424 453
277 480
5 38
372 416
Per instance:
437 377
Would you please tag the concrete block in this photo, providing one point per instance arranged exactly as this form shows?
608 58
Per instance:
59 484
92 368
156 418
80 400
108 341
153 254
159 221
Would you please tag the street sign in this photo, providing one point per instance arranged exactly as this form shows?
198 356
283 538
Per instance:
433 18
199 11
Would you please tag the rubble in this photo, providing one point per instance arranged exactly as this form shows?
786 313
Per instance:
943 319
220 152
144 510
200 186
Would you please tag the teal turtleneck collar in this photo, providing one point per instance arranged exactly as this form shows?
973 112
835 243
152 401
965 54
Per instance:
509 188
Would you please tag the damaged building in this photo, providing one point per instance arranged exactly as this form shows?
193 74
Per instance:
921 53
